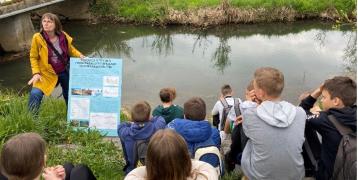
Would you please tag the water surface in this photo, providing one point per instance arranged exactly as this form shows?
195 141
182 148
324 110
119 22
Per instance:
198 62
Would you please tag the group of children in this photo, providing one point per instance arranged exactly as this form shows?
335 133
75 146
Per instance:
267 133
271 138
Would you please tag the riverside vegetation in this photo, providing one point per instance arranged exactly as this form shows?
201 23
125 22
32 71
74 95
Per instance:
64 143
213 12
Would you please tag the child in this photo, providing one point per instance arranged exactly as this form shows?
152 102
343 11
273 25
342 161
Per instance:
338 99
168 158
168 110
197 131
238 138
24 157
275 129
141 128
225 101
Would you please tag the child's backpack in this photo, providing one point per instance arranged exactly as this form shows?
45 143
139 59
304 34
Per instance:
345 166
140 151
212 153
226 111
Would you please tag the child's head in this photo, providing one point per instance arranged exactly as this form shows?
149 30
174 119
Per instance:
195 109
167 95
338 92
268 83
141 112
23 156
226 90
167 156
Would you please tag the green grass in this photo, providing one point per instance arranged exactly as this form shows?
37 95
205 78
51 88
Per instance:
88 147
149 11
64 143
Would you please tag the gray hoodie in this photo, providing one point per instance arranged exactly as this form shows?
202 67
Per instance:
276 135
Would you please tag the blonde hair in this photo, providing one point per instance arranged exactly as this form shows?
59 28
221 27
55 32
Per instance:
270 80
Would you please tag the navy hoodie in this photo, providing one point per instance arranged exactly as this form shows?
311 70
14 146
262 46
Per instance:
331 137
129 133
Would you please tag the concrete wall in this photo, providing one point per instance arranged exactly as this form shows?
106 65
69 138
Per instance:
72 9
16 33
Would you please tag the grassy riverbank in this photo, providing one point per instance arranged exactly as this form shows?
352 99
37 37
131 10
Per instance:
211 12
64 143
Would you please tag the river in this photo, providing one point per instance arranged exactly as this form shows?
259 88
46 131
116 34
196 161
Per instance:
197 62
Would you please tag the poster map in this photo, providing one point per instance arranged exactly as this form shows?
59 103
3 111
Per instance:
95 94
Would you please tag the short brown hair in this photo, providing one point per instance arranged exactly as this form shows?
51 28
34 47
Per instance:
168 157
270 80
55 19
141 112
167 94
23 156
195 109
343 88
226 89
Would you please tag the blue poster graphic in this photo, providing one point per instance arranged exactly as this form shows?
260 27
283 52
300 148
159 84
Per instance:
95 91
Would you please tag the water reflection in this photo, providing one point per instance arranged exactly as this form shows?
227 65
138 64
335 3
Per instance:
350 54
160 41
197 62
163 44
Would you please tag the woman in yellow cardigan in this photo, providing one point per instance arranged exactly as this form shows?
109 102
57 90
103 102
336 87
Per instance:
49 56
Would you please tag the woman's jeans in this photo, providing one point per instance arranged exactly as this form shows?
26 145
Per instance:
36 94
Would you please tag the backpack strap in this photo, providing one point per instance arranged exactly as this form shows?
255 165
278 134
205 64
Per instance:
61 57
223 115
224 102
343 130
310 155
237 107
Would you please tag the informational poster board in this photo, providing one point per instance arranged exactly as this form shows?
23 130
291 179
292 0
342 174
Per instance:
95 94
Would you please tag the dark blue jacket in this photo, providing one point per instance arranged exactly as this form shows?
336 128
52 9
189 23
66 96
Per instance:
129 133
198 134
330 135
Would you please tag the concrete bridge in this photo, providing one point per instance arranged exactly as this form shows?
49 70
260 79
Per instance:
16 27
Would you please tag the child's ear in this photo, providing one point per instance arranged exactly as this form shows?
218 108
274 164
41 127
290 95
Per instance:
337 102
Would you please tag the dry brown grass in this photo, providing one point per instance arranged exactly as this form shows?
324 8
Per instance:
219 15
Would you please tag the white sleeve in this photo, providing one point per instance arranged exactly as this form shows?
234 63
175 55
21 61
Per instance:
215 110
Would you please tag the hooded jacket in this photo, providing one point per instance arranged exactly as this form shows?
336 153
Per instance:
331 137
40 65
276 135
129 133
198 134
169 113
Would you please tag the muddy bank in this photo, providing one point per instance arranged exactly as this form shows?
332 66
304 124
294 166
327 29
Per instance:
231 15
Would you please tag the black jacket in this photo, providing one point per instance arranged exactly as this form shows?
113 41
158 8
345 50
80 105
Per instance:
330 135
